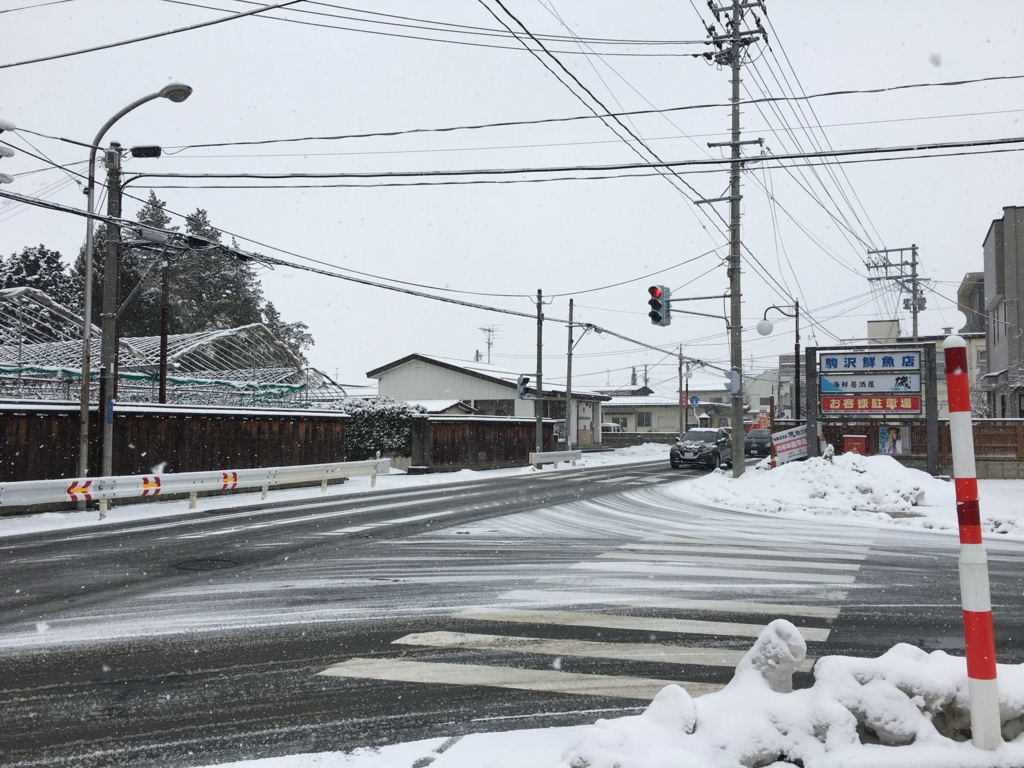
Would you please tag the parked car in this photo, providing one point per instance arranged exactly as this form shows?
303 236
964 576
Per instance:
709 448
609 427
758 442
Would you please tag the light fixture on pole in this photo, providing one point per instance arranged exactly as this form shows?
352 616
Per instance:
6 125
765 327
177 93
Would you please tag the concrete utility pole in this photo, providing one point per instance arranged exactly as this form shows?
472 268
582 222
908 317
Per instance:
108 344
682 402
538 404
164 329
735 295
896 272
568 387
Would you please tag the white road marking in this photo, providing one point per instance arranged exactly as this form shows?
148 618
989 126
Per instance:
586 581
652 652
509 677
641 623
657 569
782 550
643 557
618 479
385 523
654 601
765 537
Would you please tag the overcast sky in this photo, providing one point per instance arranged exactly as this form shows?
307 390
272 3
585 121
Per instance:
259 78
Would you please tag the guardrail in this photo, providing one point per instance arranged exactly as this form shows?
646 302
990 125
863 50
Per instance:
553 457
103 489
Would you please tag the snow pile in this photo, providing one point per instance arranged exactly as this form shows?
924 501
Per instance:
905 708
868 486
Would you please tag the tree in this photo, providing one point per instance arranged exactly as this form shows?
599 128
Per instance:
38 268
295 335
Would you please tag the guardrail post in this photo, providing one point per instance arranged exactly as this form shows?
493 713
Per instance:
323 485
103 510
264 491
979 641
192 499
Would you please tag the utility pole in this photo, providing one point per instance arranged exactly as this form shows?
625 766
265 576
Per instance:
731 47
568 387
538 403
878 261
796 364
682 403
108 345
164 301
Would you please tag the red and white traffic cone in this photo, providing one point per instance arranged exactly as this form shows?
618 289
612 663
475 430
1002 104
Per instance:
974 591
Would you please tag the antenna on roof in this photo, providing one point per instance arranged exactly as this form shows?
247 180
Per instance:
491 332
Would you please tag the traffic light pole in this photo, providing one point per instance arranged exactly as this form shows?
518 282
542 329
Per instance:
568 387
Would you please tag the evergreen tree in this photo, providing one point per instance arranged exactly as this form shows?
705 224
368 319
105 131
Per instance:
295 335
39 268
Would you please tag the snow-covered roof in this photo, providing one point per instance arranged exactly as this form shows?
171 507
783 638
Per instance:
440 406
643 401
481 370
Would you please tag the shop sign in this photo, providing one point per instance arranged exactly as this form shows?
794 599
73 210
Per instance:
871 404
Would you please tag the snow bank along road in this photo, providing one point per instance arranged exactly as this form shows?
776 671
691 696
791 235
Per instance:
516 602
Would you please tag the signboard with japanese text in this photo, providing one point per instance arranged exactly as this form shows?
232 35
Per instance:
874 361
790 444
870 382
836 405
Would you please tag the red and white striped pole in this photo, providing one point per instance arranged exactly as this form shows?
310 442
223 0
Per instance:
974 592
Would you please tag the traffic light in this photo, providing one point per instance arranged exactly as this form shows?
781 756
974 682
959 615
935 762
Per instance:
732 381
661 312
521 383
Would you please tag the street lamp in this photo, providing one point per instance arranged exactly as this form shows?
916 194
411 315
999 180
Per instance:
176 92
764 327
6 125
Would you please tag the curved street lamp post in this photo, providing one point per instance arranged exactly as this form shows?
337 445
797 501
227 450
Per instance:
177 93
764 327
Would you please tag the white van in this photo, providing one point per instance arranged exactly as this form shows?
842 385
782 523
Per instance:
608 427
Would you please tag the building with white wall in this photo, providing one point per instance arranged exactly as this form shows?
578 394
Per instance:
489 390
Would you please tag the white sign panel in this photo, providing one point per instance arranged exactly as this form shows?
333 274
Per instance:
870 382
790 444
858 361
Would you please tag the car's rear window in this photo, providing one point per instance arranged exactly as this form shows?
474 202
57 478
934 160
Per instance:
758 433
702 435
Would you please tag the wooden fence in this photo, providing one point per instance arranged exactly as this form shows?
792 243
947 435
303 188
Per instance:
40 440
451 443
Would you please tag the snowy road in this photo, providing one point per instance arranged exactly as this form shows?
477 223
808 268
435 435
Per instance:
506 603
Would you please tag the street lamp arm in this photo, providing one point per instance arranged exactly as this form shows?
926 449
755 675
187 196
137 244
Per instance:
781 310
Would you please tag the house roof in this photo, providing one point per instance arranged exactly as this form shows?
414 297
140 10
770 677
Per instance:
440 406
643 401
479 370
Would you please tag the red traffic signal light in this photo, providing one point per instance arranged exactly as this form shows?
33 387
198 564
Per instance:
660 305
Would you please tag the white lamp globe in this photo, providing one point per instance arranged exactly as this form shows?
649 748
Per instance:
764 327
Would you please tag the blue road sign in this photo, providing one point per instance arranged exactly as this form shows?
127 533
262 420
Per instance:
694 399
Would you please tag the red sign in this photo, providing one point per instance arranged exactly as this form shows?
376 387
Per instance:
228 480
872 404
150 487
79 490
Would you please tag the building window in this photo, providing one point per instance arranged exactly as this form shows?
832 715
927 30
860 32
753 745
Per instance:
620 420
714 399
643 419
766 401
496 407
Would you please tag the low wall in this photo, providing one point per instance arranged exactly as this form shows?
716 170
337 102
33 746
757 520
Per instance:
626 439
451 443
40 439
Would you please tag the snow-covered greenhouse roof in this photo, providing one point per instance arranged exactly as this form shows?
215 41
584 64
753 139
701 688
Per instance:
41 338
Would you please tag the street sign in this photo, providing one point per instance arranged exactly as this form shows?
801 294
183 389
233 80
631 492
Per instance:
694 400
790 444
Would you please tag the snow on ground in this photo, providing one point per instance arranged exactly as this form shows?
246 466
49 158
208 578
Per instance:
904 709
876 488
48 521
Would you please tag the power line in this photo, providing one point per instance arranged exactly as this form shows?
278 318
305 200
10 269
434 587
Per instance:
189 28
37 5
409 36
576 118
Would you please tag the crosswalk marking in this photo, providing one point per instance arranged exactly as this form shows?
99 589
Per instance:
587 581
401 670
760 541
656 558
553 597
608 566
650 652
761 550
642 623
618 479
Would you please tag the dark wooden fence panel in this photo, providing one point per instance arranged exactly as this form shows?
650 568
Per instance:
41 440
445 444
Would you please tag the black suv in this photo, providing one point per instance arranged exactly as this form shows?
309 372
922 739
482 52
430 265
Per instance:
758 442
704 447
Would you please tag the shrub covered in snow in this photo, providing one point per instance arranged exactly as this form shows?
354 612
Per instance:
377 424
